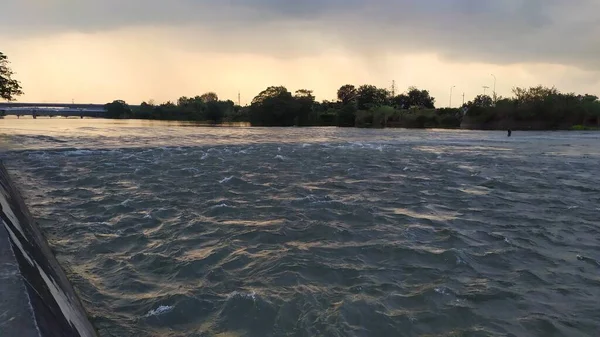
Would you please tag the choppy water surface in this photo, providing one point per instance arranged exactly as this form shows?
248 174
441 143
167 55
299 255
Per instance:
168 230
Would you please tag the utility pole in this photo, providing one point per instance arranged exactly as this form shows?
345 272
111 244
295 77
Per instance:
463 98
393 88
452 87
239 100
494 88
485 87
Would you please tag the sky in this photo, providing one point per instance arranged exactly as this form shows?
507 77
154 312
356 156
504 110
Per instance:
96 51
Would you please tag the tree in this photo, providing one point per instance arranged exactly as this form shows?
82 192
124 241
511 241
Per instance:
483 101
346 116
591 106
9 87
401 101
369 96
534 94
117 109
274 106
214 112
145 111
382 97
420 98
209 97
305 102
347 94
304 94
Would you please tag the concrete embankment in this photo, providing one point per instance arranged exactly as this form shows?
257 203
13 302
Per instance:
36 298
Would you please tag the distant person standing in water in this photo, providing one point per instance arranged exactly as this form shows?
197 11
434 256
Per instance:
509 132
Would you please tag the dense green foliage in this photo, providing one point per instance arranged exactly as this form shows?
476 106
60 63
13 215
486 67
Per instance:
9 87
204 108
545 108
372 107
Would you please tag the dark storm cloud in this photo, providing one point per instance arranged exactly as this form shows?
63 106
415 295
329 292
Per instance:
510 31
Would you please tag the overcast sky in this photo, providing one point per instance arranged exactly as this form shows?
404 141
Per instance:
97 51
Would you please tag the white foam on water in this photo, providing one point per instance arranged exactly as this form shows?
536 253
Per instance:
126 202
224 180
163 309
441 290
251 295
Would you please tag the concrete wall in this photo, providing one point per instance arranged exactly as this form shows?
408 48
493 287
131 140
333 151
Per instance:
36 298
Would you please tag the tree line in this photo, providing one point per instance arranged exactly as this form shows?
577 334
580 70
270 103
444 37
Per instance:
361 106
370 106
539 107
364 106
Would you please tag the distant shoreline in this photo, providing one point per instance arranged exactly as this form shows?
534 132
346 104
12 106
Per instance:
504 125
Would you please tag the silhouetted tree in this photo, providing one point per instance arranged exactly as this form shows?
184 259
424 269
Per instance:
420 98
214 111
347 94
369 96
304 107
400 101
117 109
9 87
274 106
483 101
533 94
346 116
209 97
145 111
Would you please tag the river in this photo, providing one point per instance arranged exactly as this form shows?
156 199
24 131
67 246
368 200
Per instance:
166 229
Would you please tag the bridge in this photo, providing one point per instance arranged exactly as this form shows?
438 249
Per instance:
52 109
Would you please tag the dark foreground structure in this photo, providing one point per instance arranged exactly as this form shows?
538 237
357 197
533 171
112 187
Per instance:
36 298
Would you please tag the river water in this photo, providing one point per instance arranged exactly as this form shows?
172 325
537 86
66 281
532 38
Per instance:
172 230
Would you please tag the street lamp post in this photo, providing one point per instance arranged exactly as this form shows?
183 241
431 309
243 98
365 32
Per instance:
452 87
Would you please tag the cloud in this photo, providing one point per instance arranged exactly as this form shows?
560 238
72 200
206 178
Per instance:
502 32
